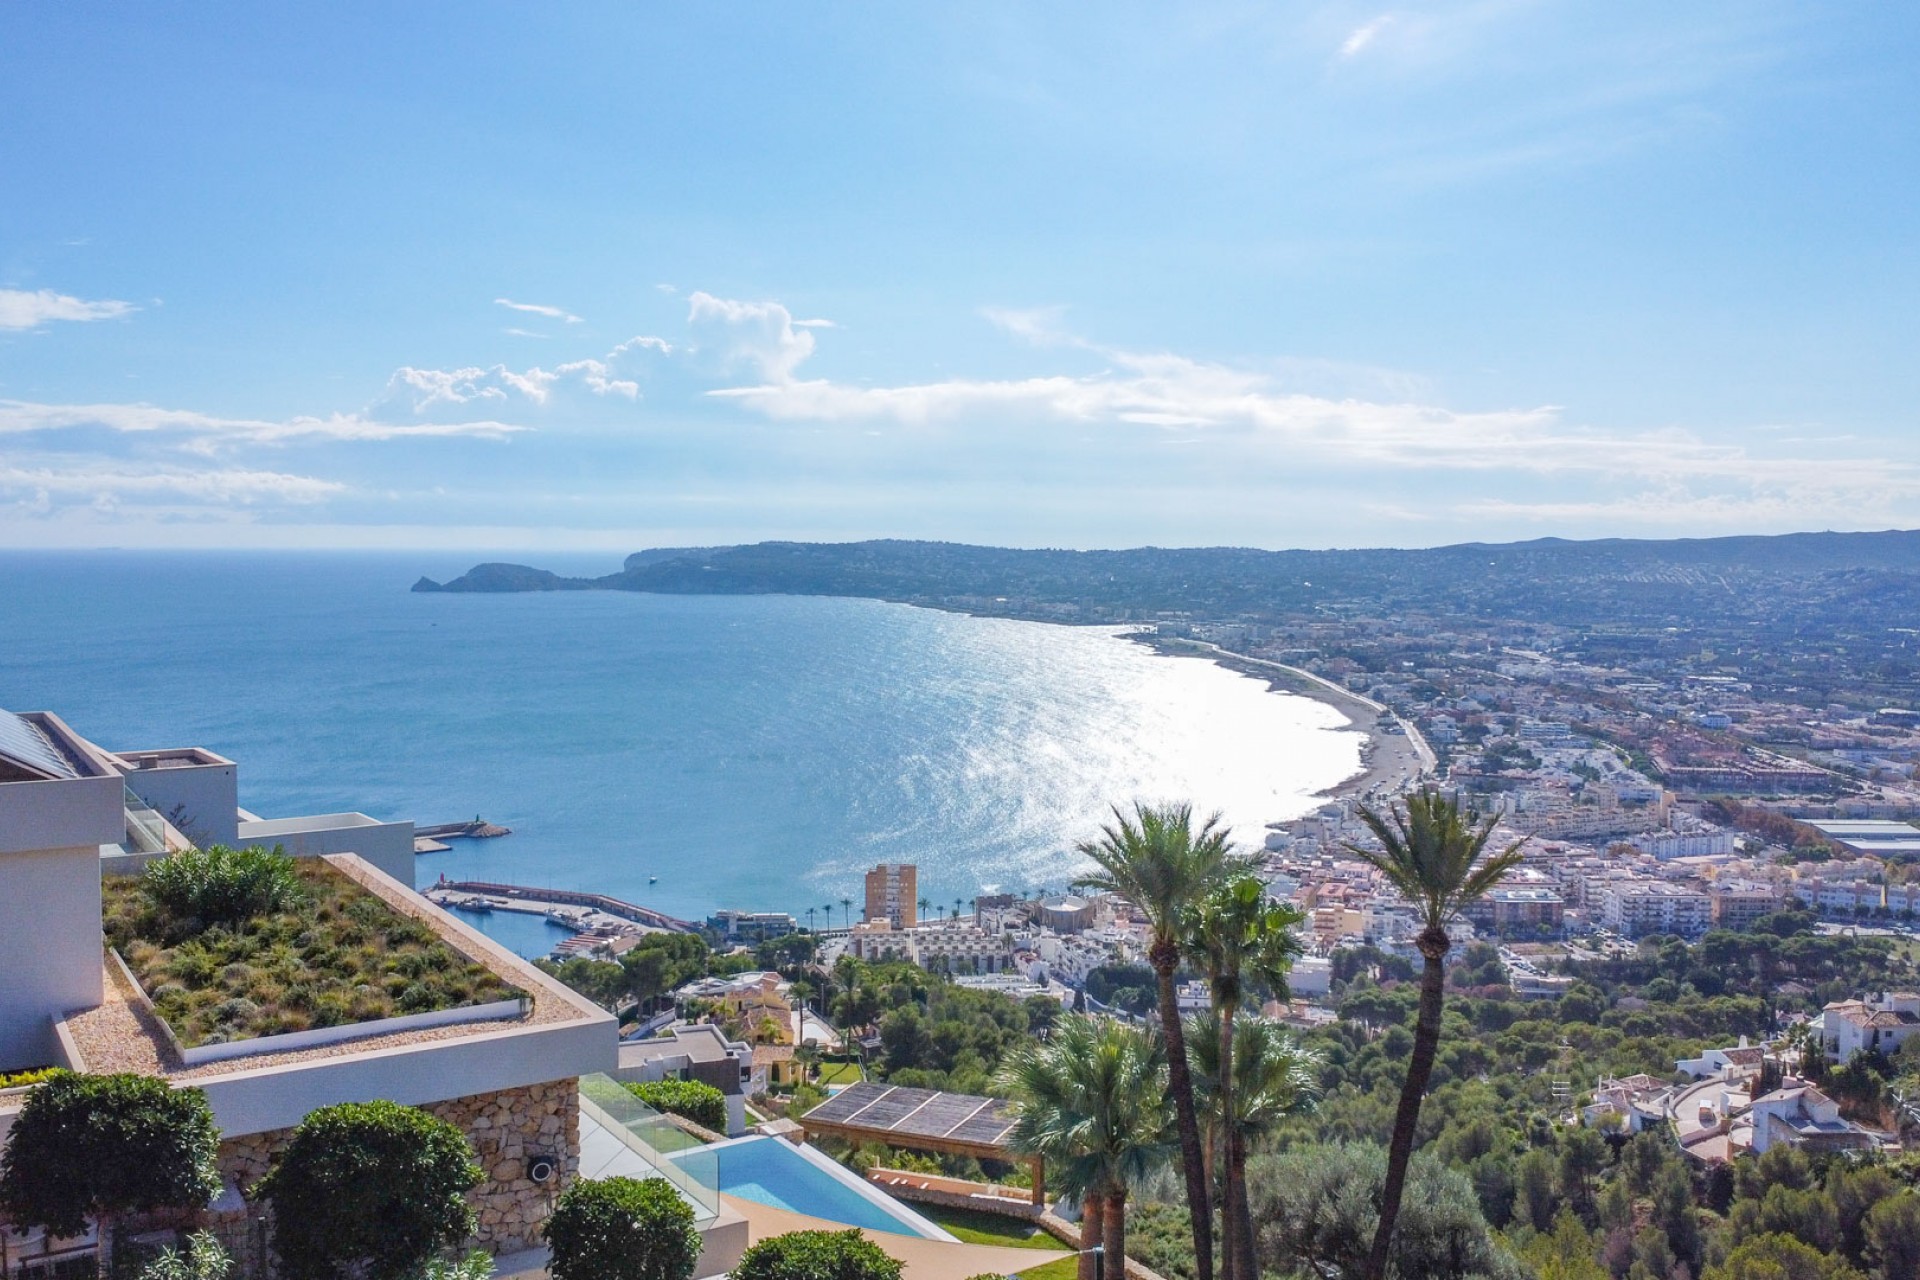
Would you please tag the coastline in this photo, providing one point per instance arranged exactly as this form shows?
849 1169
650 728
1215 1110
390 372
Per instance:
1390 763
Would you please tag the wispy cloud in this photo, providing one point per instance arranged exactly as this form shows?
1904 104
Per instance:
42 489
1364 35
1251 415
22 416
23 309
539 309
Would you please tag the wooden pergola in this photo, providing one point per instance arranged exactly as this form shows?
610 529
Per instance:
950 1124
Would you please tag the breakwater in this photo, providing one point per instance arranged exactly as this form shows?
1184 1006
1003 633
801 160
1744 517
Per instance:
572 898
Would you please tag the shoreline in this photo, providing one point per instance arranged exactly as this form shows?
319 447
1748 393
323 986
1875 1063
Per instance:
1389 762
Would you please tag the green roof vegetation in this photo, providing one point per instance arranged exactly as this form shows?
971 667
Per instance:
313 949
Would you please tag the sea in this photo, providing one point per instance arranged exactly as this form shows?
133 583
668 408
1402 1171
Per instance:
685 752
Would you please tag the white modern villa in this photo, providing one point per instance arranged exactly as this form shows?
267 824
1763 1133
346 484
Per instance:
507 1073
523 1065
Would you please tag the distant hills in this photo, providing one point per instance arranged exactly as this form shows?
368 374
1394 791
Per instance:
1549 578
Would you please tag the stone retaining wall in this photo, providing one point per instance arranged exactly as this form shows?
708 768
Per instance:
507 1129
910 1188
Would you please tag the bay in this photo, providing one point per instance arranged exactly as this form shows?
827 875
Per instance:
749 751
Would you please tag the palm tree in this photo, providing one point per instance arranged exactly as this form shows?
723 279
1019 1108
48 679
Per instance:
1434 855
957 904
1158 862
846 906
810 915
926 908
829 911
1275 1076
1236 931
1091 1101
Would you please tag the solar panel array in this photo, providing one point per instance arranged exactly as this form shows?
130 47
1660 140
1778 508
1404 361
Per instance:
25 745
916 1113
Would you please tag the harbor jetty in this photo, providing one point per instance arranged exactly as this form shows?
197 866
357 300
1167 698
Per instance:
433 838
520 893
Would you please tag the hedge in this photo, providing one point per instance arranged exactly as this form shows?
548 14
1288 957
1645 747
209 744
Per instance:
701 1103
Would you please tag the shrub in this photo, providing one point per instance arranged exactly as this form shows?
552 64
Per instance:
15 1079
816 1255
701 1103
372 1189
203 1259
220 886
98 1146
622 1229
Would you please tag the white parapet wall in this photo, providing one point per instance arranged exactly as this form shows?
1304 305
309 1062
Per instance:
387 845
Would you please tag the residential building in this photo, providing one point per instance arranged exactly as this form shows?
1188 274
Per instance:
507 1073
1878 1023
694 1051
1640 907
1738 1060
756 1000
893 894
752 926
1517 909
1737 904
1797 1114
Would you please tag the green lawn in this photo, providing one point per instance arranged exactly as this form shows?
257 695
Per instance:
839 1073
1058 1269
989 1228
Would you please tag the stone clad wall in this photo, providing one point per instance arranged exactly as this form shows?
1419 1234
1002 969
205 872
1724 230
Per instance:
507 1129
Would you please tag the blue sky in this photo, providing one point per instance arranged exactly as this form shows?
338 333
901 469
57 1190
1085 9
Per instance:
520 277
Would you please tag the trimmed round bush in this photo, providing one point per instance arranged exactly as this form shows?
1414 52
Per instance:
817 1255
701 1103
99 1146
622 1229
369 1189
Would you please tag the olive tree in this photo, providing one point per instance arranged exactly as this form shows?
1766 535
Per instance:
622 1229
102 1146
369 1189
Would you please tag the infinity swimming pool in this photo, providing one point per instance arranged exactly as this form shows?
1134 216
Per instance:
775 1172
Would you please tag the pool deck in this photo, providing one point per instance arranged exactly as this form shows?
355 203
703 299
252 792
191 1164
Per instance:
922 1259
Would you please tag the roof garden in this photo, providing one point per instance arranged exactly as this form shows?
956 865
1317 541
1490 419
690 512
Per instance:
231 947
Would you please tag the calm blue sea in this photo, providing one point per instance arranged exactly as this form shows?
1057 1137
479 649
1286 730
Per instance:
754 752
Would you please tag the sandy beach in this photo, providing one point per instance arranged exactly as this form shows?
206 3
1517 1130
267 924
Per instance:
1391 762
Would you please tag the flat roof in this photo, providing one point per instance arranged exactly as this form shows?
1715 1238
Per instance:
910 1116
1883 828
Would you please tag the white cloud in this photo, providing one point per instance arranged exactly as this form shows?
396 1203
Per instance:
20 309
1364 35
539 309
1252 417
763 335
21 416
418 391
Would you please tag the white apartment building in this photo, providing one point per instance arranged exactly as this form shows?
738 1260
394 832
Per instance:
1668 845
1640 907
1848 897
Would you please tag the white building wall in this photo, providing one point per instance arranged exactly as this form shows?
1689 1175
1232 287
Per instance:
387 845
49 948
50 838
206 797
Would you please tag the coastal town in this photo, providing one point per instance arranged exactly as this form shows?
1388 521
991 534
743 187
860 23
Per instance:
1703 944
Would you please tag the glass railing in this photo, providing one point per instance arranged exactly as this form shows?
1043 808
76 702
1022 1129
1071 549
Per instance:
146 829
694 1170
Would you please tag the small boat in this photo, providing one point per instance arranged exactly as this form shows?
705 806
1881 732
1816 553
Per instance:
653 879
